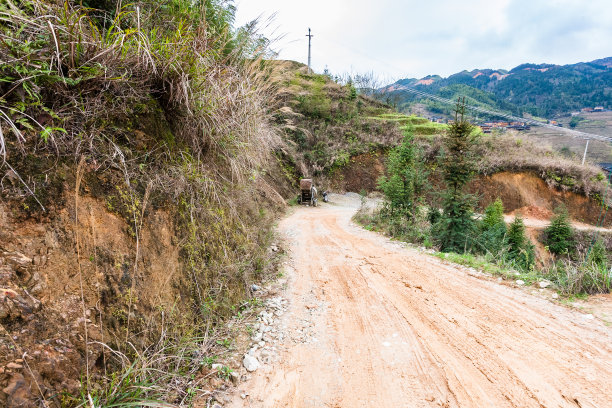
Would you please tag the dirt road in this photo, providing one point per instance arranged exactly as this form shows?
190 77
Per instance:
374 324
531 222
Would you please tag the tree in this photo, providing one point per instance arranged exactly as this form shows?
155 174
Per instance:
560 234
493 228
494 215
520 248
575 121
455 228
406 178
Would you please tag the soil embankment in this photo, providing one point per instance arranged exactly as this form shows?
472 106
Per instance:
527 193
374 323
521 192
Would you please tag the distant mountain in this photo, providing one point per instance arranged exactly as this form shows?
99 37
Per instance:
544 90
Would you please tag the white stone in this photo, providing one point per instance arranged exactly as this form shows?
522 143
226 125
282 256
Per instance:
217 366
543 284
250 363
520 282
555 295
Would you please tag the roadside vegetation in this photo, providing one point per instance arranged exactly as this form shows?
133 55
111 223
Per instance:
447 221
325 123
150 105
165 107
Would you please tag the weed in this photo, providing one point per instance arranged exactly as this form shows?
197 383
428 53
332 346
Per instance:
227 343
225 372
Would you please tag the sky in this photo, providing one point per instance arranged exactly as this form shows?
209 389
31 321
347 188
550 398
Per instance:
411 39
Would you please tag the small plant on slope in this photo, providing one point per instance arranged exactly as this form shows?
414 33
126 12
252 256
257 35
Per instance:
493 228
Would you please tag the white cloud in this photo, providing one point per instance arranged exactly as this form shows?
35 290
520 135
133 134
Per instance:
415 38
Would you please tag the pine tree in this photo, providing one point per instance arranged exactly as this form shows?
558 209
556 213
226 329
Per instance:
493 228
494 215
404 186
560 234
455 229
520 248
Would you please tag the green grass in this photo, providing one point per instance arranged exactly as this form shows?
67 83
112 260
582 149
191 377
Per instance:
486 264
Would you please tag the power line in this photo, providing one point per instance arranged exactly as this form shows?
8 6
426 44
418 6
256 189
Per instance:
574 133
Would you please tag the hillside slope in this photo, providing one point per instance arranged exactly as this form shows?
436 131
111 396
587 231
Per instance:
543 90
137 198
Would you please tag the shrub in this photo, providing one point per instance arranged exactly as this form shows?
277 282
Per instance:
493 229
404 185
560 234
520 248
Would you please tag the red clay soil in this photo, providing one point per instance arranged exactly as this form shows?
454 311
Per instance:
532 211
528 192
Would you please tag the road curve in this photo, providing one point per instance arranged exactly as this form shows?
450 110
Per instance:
393 327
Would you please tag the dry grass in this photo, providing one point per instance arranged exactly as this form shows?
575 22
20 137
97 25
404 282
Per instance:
60 89
513 153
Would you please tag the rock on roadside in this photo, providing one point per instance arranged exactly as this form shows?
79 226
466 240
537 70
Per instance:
250 363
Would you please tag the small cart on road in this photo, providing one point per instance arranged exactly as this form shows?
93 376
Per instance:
308 193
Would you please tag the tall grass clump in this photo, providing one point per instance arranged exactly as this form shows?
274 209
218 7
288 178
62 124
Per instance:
67 77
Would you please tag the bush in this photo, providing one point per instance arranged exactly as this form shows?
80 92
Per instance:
405 181
520 249
560 234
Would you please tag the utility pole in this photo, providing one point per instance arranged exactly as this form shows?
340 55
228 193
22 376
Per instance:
585 152
309 43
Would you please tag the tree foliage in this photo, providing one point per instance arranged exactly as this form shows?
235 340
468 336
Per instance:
560 234
520 248
493 229
455 228
406 178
